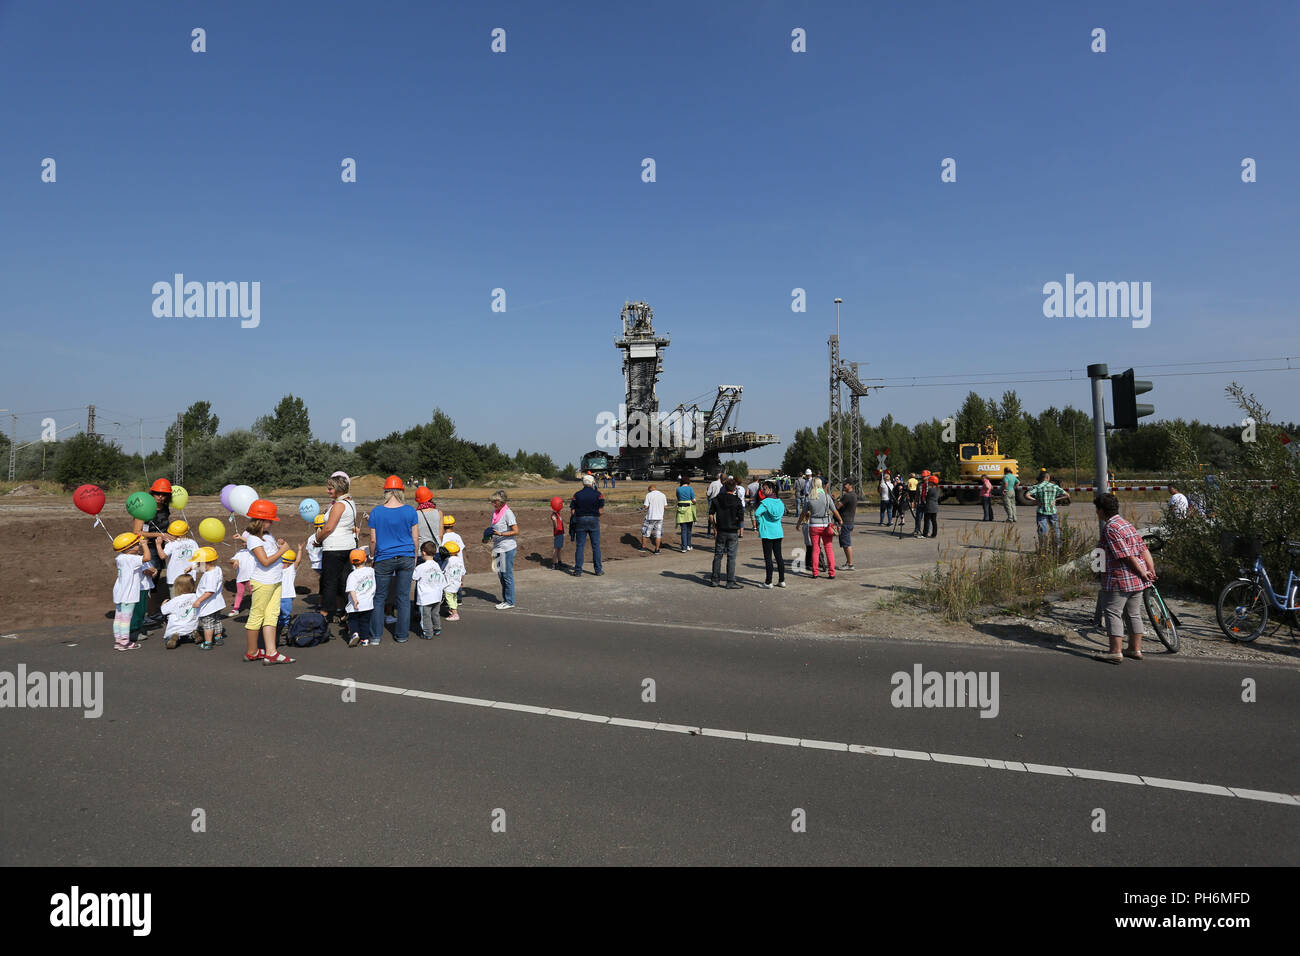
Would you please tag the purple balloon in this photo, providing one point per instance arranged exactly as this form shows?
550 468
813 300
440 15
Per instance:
225 496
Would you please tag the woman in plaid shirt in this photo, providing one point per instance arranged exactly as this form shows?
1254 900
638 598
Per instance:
1129 568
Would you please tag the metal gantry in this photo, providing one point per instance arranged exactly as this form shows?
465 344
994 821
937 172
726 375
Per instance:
838 469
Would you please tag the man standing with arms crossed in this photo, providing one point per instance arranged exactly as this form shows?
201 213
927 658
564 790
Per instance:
730 516
1046 493
653 506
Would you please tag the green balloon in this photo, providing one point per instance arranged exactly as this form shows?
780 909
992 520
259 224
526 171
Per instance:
141 505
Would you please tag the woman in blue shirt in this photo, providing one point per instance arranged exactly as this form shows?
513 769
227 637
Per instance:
685 511
394 542
769 513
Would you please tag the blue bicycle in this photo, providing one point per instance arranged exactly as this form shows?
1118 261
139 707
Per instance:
1244 604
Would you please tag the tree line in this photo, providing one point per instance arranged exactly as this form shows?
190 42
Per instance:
1059 439
278 451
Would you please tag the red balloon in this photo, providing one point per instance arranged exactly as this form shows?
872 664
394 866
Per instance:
557 503
89 498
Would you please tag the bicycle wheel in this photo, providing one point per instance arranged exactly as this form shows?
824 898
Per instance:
1161 621
1242 611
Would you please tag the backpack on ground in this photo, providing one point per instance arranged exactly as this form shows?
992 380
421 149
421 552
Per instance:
308 629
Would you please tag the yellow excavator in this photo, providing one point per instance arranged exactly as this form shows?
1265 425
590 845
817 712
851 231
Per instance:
978 460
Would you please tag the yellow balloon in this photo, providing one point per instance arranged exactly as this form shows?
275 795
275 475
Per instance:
180 497
210 529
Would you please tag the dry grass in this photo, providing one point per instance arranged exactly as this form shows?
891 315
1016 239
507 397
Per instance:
984 571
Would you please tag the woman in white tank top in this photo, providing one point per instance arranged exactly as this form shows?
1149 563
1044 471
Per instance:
337 537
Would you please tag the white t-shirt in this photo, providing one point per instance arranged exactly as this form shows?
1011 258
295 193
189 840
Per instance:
213 580
261 573
885 490
179 553
655 503
453 536
454 571
740 493
500 544
714 489
751 489
1178 504
288 578
362 583
126 590
429 581
182 615
313 553
243 566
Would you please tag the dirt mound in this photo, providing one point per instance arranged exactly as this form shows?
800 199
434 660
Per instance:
23 491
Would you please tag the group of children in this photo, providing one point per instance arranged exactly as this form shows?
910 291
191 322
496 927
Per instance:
196 585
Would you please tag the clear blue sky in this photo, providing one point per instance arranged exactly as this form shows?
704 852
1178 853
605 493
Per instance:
522 170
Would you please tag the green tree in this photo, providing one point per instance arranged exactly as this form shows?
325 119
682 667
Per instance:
739 468
569 472
1012 428
808 450
91 460
197 424
289 418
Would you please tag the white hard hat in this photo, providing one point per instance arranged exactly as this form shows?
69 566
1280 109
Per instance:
807 471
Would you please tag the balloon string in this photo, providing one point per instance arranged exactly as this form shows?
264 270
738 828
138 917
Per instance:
100 524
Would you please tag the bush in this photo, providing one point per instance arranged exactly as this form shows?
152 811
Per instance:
1224 503
91 459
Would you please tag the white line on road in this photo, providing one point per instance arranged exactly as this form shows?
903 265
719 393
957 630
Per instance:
805 743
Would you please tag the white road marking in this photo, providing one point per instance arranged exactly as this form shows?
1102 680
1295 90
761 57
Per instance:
985 762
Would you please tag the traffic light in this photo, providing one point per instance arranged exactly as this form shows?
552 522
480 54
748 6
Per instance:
1124 390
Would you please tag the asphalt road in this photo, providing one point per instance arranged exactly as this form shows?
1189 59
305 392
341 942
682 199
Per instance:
288 772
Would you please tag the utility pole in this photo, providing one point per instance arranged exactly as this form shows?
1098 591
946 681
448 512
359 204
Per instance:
90 421
855 437
834 437
13 445
1099 374
180 448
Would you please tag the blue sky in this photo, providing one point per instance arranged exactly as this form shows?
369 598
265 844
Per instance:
522 170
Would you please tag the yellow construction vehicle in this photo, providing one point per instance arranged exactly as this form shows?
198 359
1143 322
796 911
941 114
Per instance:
978 460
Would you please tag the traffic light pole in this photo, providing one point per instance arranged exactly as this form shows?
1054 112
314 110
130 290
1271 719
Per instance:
1099 374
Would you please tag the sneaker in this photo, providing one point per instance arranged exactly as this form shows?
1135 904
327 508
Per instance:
365 642
401 640
390 619
172 642
599 573
766 585
712 583
734 586
454 616
232 614
848 567
780 584
577 572
355 639
503 606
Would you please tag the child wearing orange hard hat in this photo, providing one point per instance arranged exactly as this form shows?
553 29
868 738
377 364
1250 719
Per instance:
268 572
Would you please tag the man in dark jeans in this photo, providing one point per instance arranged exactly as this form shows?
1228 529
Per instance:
931 527
918 503
584 522
728 517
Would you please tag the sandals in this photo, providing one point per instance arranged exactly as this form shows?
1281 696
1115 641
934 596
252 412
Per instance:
260 655
1133 656
129 646
1108 658
277 659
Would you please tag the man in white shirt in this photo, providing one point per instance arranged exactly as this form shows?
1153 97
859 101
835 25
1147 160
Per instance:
653 526
1177 502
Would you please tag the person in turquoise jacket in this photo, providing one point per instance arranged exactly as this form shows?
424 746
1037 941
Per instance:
769 513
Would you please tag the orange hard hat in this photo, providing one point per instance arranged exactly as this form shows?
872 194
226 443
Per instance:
393 484
357 556
934 479
925 474
423 494
263 510
161 487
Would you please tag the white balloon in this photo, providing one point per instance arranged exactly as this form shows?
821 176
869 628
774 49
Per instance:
241 498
